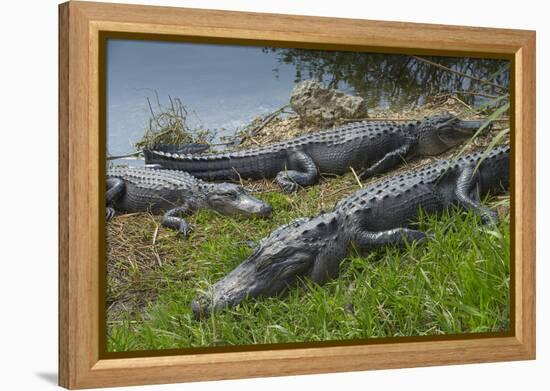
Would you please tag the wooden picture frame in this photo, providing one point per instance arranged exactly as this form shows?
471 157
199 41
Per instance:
82 364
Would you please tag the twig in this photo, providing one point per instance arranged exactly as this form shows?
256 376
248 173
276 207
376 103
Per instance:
239 175
356 177
462 102
268 119
159 261
155 233
254 140
137 153
474 93
435 64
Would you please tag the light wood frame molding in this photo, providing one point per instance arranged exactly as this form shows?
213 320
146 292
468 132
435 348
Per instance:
80 25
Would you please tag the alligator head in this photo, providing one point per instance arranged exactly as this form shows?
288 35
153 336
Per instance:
229 199
439 133
306 247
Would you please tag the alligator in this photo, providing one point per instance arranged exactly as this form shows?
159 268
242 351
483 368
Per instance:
372 146
380 214
175 193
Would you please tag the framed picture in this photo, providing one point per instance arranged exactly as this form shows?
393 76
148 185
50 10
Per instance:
246 195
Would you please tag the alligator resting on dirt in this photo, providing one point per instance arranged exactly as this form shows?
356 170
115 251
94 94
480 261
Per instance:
377 215
175 193
372 146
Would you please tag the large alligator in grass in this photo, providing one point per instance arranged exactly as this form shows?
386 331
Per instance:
380 214
175 193
372 146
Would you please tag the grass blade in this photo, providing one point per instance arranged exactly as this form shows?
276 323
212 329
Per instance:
495 115
500 135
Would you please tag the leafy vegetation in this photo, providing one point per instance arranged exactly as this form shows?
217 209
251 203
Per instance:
457 282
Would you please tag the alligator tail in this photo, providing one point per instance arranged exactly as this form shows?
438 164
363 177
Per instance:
209 167
189 148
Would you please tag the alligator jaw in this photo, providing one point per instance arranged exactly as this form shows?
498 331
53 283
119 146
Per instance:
450 133
469 126
227 292
251 206
230 199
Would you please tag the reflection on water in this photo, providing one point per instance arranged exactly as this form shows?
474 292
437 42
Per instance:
226 86
394 81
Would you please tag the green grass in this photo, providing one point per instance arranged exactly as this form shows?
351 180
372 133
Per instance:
456 282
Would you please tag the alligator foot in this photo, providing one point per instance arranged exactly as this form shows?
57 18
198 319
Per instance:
171 220
391 159
302 172
488 216
467 193
184 228
286 183
110 213
366 174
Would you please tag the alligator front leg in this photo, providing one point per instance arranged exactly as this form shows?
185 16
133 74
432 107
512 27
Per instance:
390 160
115 190
172 219
367 240
467 194
305 174
110 213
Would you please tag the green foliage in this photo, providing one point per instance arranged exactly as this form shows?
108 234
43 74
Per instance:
456 282
169 125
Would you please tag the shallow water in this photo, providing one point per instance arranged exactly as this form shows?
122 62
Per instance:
225 86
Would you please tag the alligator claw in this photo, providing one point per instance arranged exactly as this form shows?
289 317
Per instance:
489 218
287 184
365 175
418 237
290 187
184 229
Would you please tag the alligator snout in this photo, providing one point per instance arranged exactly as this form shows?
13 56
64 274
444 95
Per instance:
228 292
231 199
469 126
201 310
262 209
248 205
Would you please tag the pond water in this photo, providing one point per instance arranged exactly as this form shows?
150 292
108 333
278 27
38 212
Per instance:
225 86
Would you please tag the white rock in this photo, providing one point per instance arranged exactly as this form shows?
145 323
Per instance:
319 105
